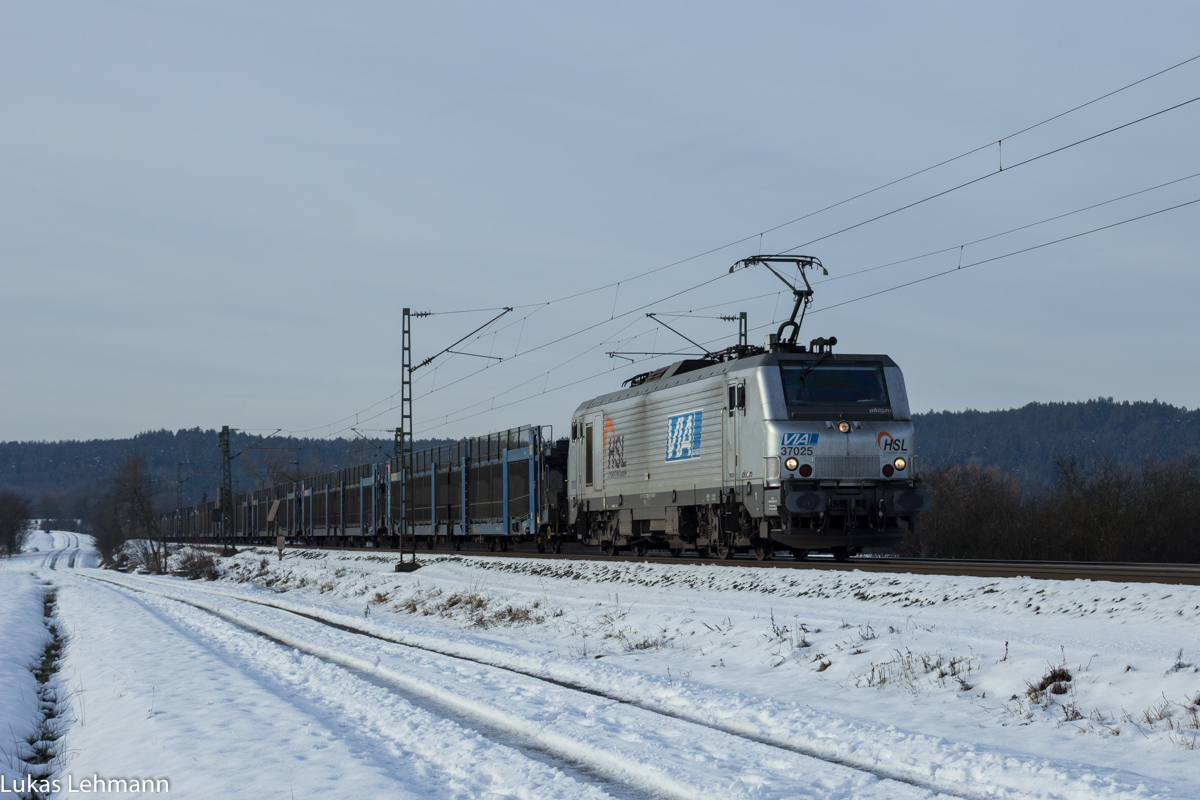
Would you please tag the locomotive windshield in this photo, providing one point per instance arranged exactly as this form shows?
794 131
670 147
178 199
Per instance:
848 386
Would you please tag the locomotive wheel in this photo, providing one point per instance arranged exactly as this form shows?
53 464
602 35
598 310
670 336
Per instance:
724 552
556 545
609 548
799 553
541 545
841 553
676 552
638 548
702 552
504 545
455 543
764 552
491 545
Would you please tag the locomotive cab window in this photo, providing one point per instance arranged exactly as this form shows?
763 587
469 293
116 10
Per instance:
853 388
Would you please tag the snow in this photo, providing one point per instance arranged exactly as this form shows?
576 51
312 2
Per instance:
496 677
22 635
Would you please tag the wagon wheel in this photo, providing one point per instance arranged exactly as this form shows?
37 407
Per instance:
504 545
639 548
491 545
541 544
764 552
799 553
724 552
455 543
609 548
556 545
702 552
676 552
841 553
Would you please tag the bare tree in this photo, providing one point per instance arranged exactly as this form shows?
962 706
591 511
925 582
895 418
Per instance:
107 531
274 467
133 496
14 522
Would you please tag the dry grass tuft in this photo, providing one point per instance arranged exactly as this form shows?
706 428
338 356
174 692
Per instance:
196 564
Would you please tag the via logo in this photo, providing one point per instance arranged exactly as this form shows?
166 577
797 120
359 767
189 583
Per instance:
889 443
683 436
800 439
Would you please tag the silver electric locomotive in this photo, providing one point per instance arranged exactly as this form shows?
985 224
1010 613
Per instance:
784 447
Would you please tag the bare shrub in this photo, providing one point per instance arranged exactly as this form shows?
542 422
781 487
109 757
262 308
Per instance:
107 532
196 565
14 522
133 498
478 609
1100 511
1180 665
910 671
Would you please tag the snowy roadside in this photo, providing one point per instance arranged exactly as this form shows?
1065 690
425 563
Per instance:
22 636
917 666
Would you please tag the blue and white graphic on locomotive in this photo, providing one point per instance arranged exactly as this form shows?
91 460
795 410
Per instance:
683 435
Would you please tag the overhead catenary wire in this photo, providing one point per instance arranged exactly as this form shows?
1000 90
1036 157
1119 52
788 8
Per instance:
741 240
1009 255
823 308
952 189
985 176
448 421
878 188
929 254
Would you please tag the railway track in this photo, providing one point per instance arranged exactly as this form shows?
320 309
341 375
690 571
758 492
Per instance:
1118 572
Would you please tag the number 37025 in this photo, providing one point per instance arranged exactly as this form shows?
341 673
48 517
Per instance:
795 451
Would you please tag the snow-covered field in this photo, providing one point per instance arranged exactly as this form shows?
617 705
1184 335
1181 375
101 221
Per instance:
328 674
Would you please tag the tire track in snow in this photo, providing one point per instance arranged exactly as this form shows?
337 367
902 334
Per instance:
606 759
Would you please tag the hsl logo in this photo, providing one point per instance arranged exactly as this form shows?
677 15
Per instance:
799 439
683 436
889 443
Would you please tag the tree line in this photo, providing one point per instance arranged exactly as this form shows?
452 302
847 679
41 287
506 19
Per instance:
1029 442
60 476
1102 510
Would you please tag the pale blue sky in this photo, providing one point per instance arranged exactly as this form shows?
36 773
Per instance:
212 213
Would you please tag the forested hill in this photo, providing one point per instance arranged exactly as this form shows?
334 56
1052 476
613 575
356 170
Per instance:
37 468
1026 441
1023 441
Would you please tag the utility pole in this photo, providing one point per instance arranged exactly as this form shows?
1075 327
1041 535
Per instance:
404 440
226 499
179 495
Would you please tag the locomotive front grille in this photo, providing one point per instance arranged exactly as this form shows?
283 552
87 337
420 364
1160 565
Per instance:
847 467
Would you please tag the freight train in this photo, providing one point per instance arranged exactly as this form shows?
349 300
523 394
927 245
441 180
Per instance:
780 448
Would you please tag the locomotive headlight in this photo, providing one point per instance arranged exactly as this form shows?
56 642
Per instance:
844 426
900 463
791 464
